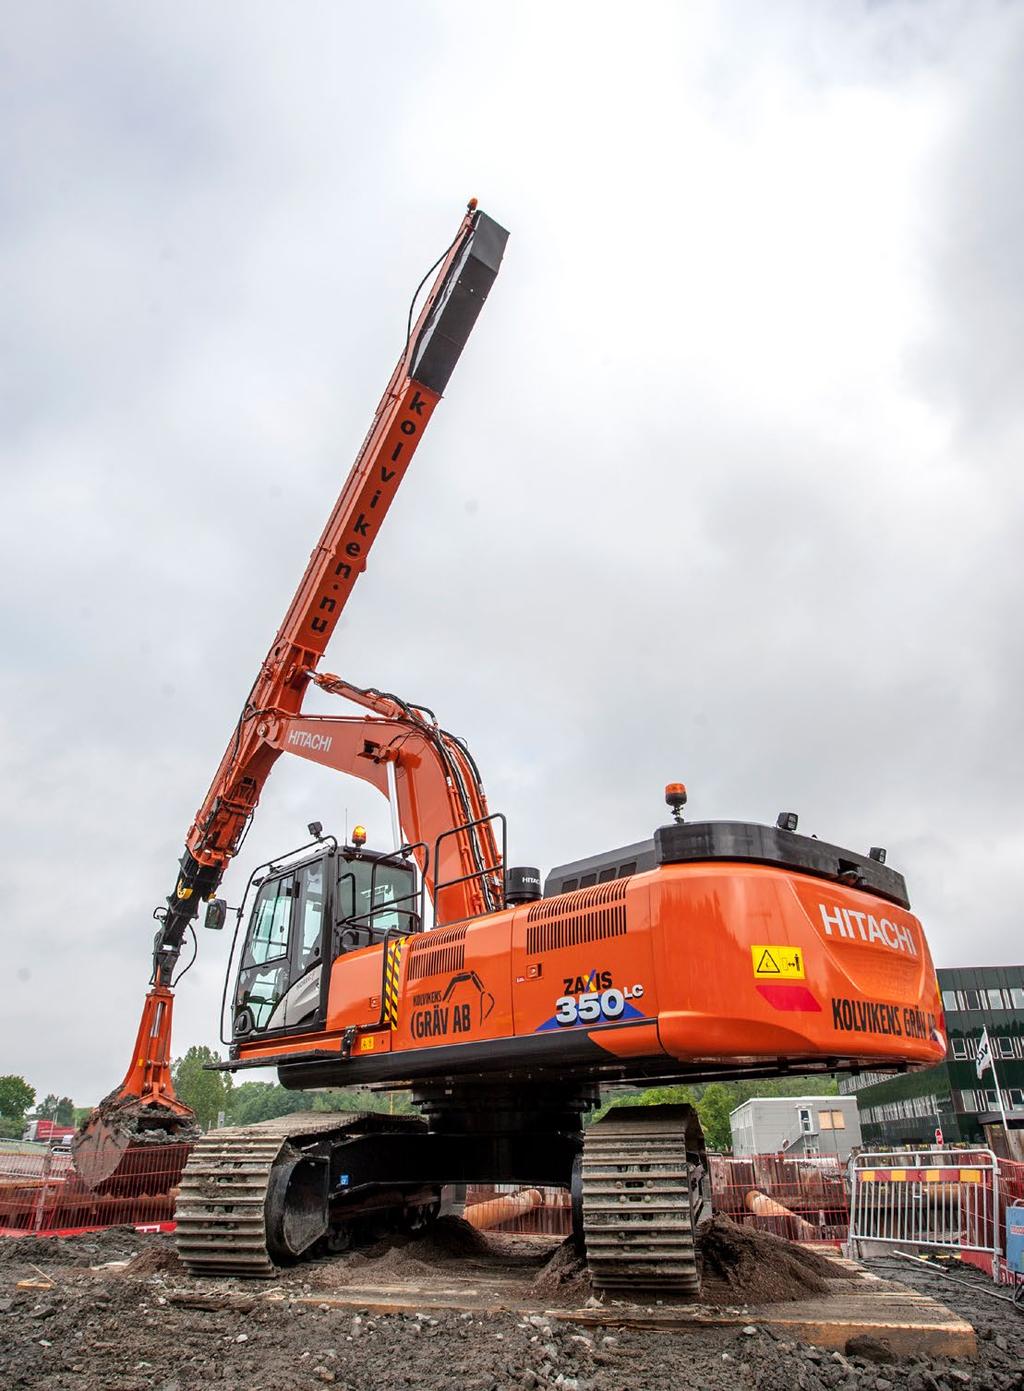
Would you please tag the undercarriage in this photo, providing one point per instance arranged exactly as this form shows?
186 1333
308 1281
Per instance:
255 1197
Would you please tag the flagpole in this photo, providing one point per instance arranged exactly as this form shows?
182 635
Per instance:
1002 1108
985 1045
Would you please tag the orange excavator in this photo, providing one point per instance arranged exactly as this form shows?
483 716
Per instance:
709 950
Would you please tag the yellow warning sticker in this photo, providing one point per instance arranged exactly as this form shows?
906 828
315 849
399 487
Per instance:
778 963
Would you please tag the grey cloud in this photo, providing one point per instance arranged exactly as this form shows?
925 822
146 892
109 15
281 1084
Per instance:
683 515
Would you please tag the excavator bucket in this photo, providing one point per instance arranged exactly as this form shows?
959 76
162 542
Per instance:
143 1113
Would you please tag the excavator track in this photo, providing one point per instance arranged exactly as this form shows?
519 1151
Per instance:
222 1203
644 1194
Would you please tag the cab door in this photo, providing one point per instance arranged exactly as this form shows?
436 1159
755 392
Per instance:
280 975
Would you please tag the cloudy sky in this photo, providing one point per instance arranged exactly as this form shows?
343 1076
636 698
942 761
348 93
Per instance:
726 487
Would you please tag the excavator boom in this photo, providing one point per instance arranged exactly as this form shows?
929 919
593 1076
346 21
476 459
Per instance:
432 348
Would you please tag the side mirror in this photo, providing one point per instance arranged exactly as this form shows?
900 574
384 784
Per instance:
216 914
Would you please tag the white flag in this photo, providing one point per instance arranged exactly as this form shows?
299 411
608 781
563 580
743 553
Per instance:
984 1053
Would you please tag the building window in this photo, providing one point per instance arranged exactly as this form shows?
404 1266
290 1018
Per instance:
995 999
972 999
959 1047
1003 1047
824 1120
949 1003
805 1121
992 1098
969 1101
1015 1098
1017 996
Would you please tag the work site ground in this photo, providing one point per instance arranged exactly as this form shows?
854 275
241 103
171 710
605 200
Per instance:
460 1309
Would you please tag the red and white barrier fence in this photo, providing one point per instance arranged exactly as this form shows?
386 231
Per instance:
40 1192
948 1199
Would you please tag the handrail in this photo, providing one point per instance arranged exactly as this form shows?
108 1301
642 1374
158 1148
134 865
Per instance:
480 874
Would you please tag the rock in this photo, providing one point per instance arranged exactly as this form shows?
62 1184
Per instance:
528 1380
955 1374
749 1331
882 1384
242 1338
872 1349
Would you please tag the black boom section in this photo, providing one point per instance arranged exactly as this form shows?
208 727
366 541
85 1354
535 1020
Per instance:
447 330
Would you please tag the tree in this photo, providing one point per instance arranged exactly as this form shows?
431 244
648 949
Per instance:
713 1108
16 1096
264 1101
205 1092
715 1100
60 1109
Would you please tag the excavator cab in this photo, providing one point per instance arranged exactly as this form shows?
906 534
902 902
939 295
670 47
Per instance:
308 913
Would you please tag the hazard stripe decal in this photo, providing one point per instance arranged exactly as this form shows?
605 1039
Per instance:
392 971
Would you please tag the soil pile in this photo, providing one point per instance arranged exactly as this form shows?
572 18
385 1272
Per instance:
449 1242
168 1332
94 1248
160 1257
742 1265
450 1236
563 1278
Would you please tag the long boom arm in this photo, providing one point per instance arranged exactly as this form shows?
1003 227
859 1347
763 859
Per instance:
145 1100
456 297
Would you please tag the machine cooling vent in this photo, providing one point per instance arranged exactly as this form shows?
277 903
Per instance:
436 953
588 915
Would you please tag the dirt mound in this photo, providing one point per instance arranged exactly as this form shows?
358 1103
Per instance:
391 1262
449 1236
449 1241
92 1248
157 1258
742 1265
563 1277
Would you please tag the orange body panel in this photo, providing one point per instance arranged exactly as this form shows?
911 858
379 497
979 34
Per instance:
689 970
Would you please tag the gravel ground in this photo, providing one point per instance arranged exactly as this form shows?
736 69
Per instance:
124 1328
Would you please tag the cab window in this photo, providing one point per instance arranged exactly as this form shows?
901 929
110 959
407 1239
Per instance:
369 891
271 921
311 879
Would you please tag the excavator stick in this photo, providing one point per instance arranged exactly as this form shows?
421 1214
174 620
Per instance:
143 1112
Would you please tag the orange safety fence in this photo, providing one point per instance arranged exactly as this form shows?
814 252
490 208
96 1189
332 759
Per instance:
40 1192
801 1198
552 1216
